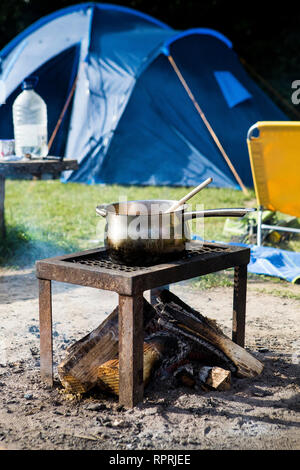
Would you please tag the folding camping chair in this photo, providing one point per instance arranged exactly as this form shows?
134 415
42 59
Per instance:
274 150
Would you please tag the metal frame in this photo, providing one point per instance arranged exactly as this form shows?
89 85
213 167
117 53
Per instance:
261 226
130 285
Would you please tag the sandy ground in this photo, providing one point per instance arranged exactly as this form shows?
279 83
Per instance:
262 413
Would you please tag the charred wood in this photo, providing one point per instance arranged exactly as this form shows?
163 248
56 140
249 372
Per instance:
180 319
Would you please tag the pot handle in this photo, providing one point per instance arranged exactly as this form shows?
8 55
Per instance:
101 210
235 212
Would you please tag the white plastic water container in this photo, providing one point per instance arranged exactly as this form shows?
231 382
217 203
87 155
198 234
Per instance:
30 122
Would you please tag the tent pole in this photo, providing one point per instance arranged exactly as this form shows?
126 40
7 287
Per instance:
62 113
210 129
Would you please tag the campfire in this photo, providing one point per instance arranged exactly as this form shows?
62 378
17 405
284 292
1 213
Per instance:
179 343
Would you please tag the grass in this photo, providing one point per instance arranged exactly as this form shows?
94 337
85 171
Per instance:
258 283
47 218
210 281
283 294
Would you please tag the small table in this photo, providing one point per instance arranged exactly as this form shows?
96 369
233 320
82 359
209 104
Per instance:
93 268
29 167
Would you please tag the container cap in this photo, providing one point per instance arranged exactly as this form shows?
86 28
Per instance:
30 82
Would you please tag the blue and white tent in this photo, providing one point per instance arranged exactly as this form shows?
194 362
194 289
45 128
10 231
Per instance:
130 119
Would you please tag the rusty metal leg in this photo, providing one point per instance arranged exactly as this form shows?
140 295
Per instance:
46 349
131 339
239 304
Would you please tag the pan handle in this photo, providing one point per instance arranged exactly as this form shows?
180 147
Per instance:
236 212
101 210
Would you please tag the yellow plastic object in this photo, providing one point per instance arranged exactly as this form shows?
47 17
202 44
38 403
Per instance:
275 163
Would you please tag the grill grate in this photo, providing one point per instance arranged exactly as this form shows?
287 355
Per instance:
101 259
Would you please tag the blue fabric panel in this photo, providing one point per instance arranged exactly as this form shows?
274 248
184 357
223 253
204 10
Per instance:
270 261
120 44
189 32
40 45
131 11
123 41
233 91
160 136
82 8
275 262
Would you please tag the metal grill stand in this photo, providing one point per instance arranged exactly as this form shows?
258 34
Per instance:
93 268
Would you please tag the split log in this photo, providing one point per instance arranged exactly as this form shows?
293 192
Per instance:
78 372
181 319
208 378
155 349
215 378
108 373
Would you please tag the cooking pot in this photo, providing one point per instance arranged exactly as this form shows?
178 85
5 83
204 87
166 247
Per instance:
143 233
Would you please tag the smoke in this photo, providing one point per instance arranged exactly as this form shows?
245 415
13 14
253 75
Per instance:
23 246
